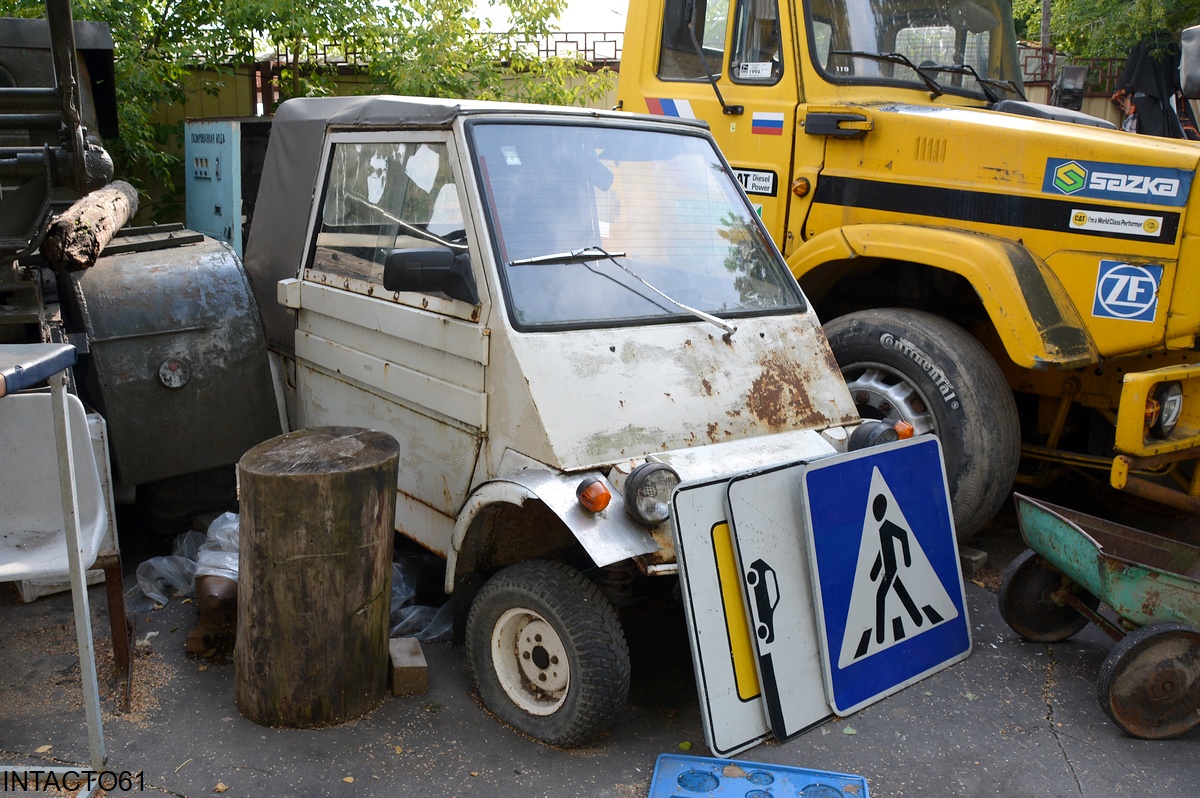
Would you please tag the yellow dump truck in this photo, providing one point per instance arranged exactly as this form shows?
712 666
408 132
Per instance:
956 239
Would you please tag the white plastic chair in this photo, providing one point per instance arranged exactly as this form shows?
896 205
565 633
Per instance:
37 533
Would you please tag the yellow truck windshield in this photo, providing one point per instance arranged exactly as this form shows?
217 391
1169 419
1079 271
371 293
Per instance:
964 46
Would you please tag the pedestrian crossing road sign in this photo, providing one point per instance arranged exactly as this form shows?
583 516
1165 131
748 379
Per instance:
890 598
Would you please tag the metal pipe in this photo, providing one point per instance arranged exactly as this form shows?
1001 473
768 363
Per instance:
1105 625
49 121
1156 460
66 73
1162 495
1070 388
25 98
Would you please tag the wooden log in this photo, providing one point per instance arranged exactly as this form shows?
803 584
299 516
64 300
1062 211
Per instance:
315 576
79 234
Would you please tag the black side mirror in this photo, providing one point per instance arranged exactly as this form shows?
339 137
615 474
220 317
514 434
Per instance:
431 270
1189 62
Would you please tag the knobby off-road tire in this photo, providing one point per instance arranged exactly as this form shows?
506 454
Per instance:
547 653
915 366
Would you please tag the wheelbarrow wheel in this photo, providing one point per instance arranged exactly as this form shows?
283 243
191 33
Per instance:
1028 602
1150 681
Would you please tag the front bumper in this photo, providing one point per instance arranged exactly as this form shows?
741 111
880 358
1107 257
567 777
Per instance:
1137 448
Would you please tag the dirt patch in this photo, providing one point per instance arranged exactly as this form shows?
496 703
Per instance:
45 677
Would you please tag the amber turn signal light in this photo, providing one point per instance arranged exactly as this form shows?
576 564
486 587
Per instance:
593 494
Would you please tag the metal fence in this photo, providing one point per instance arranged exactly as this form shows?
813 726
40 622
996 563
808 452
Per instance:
601 49
1042 66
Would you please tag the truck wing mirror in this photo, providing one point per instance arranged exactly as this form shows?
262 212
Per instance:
1189 62
431 270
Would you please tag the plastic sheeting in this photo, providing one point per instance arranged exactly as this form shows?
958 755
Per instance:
216 554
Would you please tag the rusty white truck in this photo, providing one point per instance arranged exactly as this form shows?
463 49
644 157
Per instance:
560 314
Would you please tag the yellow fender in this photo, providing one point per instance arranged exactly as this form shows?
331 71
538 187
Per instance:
1026 303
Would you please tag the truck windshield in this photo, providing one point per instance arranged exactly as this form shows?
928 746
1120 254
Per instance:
966 46
664 201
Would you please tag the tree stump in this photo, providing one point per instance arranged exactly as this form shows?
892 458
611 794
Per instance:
315 576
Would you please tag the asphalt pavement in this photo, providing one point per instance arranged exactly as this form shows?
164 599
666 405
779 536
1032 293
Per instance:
1013 719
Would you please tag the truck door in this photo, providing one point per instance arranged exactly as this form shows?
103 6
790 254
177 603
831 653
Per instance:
408 361
751 53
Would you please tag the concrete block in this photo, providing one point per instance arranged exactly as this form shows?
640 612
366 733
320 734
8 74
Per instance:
410 673
971 560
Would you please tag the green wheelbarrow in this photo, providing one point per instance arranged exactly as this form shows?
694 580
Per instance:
1150 682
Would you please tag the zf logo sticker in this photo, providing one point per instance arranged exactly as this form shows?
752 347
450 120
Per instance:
1148 185
1126 291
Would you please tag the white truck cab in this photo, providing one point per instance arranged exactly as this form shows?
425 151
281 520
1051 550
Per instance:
560 314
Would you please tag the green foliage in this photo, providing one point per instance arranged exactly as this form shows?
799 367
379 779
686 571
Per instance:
418 47
436 48
1106 28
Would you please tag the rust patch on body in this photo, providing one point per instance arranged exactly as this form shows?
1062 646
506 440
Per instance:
707 386
779 396
1152 603
665 553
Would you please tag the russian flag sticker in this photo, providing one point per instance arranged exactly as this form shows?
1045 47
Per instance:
767 124
661 106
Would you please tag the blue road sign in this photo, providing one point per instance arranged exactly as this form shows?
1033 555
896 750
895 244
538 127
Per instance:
889 593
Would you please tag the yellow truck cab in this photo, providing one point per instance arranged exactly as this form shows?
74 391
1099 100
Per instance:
956 239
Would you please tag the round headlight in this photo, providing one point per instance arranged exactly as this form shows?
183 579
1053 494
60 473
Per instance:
872 432
648 493
1169 396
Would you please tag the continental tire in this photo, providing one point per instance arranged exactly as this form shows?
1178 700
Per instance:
547 653
915 366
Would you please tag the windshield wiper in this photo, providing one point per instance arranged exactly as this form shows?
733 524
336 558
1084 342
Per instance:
984 83
896 58
577 256
689 13
596 253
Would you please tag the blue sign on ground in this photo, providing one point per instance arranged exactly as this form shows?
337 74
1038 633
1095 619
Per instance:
889 591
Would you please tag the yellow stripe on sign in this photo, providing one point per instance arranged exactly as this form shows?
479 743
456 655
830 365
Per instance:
741 652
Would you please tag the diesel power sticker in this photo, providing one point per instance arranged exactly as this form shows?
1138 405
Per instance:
1127 291
757 181
1149 185
1120 223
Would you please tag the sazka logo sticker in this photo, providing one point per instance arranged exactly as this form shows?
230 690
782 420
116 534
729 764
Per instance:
1070 177
896 594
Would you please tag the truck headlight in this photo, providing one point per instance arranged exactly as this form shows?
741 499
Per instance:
648 493
1164 408
872 432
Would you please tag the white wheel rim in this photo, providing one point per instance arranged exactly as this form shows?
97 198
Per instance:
892 395
530 661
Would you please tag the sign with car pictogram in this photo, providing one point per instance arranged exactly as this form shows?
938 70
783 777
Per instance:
765 511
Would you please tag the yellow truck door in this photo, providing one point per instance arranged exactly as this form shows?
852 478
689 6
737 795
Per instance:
732 62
